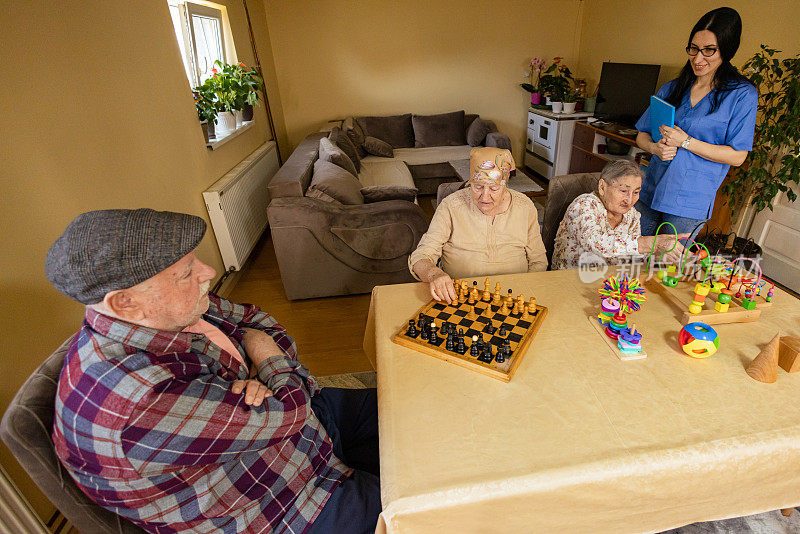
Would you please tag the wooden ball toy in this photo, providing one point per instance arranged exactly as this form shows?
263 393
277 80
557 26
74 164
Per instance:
698 340
661 274
724 298
716 287
695 308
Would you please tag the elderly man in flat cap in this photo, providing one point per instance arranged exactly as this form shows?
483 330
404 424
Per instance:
185 412
483 229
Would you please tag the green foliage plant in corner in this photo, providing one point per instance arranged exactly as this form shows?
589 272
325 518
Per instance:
774 161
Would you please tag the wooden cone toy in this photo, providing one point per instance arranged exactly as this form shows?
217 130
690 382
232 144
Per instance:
764 367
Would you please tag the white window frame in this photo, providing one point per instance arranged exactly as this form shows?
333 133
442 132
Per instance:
186 10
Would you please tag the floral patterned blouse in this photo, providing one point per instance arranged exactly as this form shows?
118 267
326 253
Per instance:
585 228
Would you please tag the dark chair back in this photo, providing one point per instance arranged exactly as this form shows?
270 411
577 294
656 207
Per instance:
26 428
560 194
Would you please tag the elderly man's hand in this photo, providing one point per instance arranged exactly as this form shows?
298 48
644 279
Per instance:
259 345
254 391
442 289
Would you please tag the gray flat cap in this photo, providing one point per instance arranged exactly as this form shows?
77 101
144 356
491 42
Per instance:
106 250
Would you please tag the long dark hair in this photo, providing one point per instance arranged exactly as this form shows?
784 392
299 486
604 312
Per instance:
726 24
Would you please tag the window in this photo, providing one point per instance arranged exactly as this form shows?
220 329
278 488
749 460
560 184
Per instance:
203 37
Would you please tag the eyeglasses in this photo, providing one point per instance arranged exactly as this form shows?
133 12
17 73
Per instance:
707 51
478 188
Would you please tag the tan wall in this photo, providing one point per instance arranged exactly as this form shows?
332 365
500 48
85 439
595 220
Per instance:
338 58
97 113
657 32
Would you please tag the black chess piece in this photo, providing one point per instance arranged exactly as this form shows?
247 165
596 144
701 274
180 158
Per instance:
507 348
460 347
423 332
489 329
499 357
473 350
412 329
503 331
486 357
434 337
450 344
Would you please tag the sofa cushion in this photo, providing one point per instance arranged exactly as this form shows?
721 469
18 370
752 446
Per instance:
380 171
330 152
477 132
398 238
376 147
445 129
379 193
340 139
395 129
332 182
355 134
436 154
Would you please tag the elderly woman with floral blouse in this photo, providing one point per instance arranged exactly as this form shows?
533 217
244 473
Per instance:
483 229
605 222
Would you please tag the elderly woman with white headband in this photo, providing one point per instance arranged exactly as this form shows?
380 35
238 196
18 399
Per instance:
483 229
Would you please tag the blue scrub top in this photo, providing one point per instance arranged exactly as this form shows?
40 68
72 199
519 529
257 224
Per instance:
687 185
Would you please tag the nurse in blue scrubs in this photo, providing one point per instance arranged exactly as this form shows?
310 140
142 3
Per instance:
715 115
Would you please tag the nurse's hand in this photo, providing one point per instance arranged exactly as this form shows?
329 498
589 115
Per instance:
672 136
664 151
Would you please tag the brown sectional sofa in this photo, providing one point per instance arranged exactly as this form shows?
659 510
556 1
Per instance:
327 248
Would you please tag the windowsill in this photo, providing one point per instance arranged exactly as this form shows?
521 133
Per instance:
221 140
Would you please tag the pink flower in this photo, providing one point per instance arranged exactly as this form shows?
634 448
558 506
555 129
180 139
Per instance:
214 70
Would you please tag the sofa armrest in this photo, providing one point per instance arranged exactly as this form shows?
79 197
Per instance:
498 140
370 238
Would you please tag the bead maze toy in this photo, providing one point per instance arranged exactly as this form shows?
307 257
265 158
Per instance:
485 332
713 279
619 298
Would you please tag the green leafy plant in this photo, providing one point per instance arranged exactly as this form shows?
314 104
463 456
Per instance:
774 161
204 102
571 96
537 65
556 80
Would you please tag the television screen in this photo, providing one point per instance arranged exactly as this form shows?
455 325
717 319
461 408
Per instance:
624 91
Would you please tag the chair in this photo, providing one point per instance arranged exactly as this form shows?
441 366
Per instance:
26 428
560 194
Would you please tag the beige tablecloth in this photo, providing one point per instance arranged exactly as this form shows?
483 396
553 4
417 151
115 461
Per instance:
580 441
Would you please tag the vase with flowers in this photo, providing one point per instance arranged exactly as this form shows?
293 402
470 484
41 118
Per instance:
537 64
206 106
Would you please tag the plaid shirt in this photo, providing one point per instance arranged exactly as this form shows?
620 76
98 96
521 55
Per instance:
148 427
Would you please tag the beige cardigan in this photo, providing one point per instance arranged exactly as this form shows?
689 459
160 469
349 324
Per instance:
470 244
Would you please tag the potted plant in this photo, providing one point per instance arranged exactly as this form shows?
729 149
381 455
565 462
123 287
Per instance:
537 64
555 82
250 83
206 110
223 85
774 161
570 101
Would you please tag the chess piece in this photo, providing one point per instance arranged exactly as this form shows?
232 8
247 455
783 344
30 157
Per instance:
499 357
473 350
423 333
507 348
504 308
450 344
471 314
516 310
434 337
456 283
525 315
412 329
509 298
473 294
532 305
764 367
490 329
521 300
496 296
487 295
462 294
487 312
460 347
486 355
503 332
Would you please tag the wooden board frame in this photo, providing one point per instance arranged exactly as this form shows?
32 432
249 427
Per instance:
502 372
681 296
613 345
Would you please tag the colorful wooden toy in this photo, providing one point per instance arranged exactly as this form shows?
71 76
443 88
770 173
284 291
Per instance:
764 367
700 291
620 296
698 340
789 354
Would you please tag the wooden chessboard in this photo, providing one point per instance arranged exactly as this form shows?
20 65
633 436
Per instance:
519 333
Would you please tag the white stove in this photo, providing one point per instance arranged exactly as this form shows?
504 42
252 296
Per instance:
549 141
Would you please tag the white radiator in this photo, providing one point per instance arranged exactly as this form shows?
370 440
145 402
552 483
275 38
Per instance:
16 516
237 205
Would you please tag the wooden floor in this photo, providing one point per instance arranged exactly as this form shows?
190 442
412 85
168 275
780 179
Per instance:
329 331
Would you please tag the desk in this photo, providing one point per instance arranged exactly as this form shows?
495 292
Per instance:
579 441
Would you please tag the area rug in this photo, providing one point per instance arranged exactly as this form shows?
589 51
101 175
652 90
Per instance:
767 523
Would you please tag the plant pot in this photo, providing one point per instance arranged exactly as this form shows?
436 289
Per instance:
247 112
558 107
547 100
536 99
238 115
226 123
569 107
589 103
